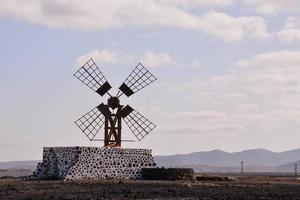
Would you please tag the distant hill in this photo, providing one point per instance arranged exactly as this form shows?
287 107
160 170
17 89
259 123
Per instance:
255 160
247 168
28 164
290 167
15 172
220 161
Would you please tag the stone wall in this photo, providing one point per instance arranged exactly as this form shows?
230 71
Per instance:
93 162
172 174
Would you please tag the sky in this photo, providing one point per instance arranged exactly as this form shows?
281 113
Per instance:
228 72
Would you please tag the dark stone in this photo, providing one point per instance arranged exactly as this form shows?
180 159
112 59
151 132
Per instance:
167 173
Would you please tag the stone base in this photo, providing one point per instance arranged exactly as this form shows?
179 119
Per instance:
93 163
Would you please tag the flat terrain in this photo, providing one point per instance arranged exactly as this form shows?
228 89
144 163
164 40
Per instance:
236 188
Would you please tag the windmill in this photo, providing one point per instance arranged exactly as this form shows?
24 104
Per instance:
111 114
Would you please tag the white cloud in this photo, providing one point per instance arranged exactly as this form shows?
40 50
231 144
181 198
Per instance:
209 129
197 3
260 95
102 56
291 30
107 56
276 59
274 6
97 14
157 59
205 114
231 29
100 14
273 73
153 35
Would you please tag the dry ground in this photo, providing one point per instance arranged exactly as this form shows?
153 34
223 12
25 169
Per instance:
238 188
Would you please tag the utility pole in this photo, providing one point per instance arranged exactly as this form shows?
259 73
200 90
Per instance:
242 168
296 170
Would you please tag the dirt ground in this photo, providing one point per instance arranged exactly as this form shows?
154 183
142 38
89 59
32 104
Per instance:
236 188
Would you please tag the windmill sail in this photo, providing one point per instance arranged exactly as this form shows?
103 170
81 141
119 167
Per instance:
90 123
138 124
91 76
139 78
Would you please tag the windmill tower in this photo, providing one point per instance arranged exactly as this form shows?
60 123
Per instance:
108 162
113 113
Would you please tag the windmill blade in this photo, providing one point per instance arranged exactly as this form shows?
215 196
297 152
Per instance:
92 77
90 123
139 78
138 124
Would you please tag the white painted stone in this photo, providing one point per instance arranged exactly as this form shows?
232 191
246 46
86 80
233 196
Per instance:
93 162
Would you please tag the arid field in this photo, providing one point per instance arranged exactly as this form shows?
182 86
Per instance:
256 187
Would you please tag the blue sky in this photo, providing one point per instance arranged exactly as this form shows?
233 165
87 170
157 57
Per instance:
228 72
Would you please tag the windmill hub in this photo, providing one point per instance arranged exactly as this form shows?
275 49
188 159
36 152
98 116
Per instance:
113 102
